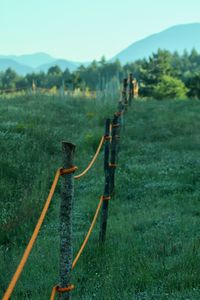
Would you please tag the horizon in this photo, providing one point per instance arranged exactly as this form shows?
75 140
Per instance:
78 31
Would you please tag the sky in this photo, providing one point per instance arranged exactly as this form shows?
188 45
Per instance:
83 30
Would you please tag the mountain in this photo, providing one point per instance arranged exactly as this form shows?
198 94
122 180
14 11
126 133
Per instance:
18 68
63 64
36 62
176 38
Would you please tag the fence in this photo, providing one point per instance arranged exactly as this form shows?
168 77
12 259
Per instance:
110 140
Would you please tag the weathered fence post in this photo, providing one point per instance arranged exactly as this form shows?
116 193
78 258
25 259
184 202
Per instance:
130 89
124 93
120 112
104 214
113 152
66 252
123 102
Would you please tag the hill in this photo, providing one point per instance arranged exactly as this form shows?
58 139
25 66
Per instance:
176 38
63 64
21 69
32 60
36 62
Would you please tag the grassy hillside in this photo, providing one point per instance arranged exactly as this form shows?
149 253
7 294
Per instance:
152 246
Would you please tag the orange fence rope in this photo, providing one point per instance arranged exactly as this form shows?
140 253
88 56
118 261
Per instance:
88 234
93 159
59 172
35 233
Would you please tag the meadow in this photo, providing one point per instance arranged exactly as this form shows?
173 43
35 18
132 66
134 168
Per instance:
152 245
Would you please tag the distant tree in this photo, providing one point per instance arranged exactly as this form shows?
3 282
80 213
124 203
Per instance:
192 82
153 70
177 67
87 76
194 59
170 88
134 68
67 78
22 83
54 77
102 61
1 83
54 70
40 79
8 79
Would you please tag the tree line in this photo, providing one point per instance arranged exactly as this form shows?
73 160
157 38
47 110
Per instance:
162 75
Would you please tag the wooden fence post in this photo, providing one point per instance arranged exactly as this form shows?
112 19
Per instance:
124 93
66 252
120 112
123 103
104 214
113 152
130 89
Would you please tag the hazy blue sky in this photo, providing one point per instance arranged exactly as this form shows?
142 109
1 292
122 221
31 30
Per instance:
86 29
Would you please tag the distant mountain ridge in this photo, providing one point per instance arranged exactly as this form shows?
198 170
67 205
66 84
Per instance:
62 63
21 69
36 62
31 60
176 38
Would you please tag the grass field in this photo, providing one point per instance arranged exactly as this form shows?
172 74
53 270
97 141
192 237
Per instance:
152 250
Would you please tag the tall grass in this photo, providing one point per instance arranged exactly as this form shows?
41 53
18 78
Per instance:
152 245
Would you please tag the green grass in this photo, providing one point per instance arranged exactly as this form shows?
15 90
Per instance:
152 250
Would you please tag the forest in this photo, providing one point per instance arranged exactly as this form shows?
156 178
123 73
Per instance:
163 75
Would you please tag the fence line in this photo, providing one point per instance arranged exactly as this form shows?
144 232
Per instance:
33 239
111 150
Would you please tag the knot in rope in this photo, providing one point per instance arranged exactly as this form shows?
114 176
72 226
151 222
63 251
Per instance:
118 113
113 165
104 198
115 125
107 137
71 170
58 289
65 289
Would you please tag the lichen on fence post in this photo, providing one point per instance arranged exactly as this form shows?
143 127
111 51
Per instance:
113 152
104 214
66 251
130 89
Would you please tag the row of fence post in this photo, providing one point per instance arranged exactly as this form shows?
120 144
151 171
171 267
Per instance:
111 150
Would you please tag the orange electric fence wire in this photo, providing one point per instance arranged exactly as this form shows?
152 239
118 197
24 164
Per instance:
93 159
89 233
29 247
69 288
